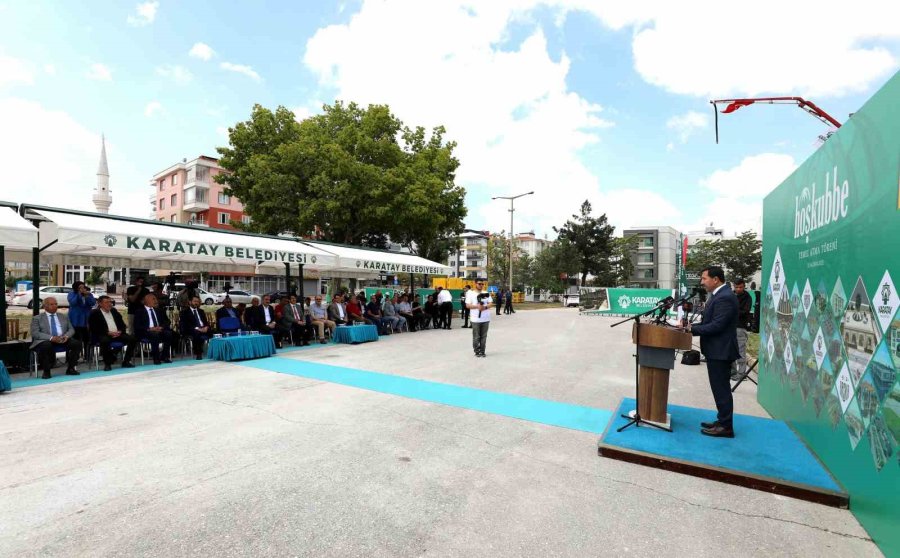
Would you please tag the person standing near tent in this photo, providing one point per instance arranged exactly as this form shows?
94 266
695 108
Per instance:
507 299
134 296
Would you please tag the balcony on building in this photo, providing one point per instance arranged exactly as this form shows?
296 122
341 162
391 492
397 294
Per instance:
196 198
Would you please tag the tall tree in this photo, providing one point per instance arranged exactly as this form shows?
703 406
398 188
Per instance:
343 176
704 253
742 255
623 259
592 238
552 265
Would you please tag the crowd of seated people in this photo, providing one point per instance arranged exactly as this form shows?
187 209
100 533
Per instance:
95 323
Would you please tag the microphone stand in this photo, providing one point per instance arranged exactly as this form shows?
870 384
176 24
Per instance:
636 419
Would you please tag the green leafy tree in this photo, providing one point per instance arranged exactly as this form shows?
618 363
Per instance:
592 238
95 277
557 262
742 255
343 176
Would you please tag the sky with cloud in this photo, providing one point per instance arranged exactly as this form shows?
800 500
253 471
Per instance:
573 99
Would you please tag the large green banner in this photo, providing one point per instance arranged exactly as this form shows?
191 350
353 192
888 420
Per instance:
620 302
830 331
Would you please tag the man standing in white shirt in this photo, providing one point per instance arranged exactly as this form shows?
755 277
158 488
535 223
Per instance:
445 307
480 317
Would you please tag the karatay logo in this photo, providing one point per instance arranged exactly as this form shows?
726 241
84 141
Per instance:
624 301
885 293
110 240
313 259
812 212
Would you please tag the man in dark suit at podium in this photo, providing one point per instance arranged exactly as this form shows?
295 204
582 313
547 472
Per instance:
718 343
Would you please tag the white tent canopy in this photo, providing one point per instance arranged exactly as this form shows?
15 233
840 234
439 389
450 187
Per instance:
17 236
362 262
86 239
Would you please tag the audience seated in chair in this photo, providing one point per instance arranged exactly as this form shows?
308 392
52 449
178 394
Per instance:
319 313
107 327
296 321
261 318
152 324
193 324
51 332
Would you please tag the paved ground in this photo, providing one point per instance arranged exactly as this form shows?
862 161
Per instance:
226 460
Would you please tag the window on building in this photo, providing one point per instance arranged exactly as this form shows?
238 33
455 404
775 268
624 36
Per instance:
224 218
648 274
645 258
224 199
174 200
174 180
162 183
174 219
245 219
162 203
646 242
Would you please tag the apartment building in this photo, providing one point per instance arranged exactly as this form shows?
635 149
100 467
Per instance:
186 192
655 257
470 261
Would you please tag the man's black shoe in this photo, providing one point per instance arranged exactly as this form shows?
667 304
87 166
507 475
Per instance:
167 360
107 367
199 357
127 365
72 372
46 376
157 362
712 424
718 431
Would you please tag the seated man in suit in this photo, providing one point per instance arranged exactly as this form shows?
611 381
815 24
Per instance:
337 313
106 326
49 331
228 311
152 324
296 321
261 318
192 323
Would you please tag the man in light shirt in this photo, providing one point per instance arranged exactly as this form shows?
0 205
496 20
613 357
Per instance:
320 321
445 306
389 314
480 318
337 313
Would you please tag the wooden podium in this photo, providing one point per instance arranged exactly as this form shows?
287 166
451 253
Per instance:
656 356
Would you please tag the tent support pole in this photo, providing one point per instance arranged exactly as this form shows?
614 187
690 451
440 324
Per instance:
3 300
35 281
287 277
301 296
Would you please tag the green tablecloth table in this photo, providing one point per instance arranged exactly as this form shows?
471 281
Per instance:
240 347
355 334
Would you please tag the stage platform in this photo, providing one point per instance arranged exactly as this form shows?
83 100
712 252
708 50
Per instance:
765 454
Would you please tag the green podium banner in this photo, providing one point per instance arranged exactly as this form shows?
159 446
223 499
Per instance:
830 326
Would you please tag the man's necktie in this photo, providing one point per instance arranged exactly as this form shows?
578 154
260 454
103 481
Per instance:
54 329
197 317
296 315
153 318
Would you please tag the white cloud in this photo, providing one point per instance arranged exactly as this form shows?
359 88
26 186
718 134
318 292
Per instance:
717 50
153 108
178 74
684 125
241 69
50 69
99 72
144 14
202 51
76 152
301 113
14 71
518 125
737 193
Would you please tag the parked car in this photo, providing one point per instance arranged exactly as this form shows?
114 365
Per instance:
570 300
236 296
206 297
59 292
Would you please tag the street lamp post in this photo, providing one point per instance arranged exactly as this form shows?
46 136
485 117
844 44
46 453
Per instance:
512 210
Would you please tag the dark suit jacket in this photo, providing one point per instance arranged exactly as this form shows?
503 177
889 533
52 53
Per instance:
223 313
255 317
718 328
187 322
142 321
97 323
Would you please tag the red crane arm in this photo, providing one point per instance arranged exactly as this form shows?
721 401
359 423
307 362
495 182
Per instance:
808 106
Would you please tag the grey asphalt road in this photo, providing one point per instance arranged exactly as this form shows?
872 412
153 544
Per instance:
226 460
